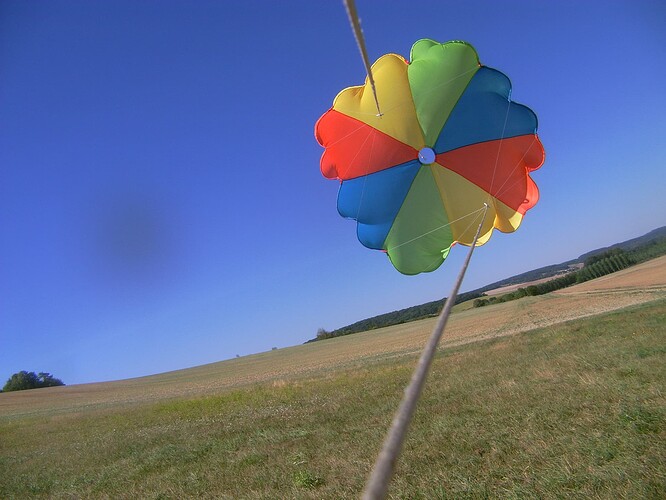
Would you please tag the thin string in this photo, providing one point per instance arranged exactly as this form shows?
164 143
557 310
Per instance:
441 227
365 178
499 150
358 152
501 189
377 486
433 265
360 41
351 132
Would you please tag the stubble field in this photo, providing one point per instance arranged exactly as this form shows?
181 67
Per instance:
549 396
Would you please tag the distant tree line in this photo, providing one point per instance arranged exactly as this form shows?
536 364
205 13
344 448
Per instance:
30 380
595 264
649 250
427 310
605 263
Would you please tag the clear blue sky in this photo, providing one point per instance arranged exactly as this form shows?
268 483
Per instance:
161 204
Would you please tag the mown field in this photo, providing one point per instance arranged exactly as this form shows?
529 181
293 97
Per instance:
560 395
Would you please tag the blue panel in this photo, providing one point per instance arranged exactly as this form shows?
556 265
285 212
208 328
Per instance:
374 201
481 113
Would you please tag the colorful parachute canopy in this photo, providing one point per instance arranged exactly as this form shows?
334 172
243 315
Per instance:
449 140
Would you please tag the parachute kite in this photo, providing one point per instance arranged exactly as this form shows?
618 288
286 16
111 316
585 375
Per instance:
448 141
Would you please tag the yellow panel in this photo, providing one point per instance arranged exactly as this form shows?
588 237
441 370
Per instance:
507 219
398 118
464 205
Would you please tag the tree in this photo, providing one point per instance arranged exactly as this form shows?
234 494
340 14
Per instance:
323 334
49 380
24 380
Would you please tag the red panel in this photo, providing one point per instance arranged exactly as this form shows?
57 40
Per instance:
354 148
501 168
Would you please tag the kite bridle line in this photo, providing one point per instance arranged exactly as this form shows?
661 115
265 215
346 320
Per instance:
482 209
491 198
360 41
377 485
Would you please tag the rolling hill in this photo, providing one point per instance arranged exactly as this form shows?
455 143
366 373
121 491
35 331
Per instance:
557 395
641 245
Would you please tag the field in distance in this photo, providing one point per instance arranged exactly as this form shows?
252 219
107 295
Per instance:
549 396
642 283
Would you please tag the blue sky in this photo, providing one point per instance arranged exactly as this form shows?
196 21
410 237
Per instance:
161 204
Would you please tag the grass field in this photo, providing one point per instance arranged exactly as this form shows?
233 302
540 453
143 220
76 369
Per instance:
560 395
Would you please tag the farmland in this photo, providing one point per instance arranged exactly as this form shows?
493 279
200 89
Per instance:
555 395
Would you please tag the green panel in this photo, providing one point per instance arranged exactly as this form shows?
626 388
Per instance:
420 237
438 75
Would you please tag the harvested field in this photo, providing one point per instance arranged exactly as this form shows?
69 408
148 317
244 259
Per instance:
650 275
573 409
639 284
512 288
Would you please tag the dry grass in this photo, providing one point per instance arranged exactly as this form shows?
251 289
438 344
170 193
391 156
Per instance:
572 411
639 284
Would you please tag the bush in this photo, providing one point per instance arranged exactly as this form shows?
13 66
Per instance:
23 380
323 334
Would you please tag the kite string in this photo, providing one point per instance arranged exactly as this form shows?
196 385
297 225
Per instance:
400 104
491 198
360 41
377 485
504 188
436 262
422 235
